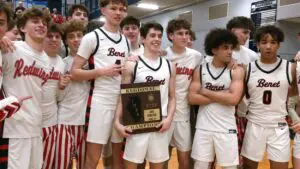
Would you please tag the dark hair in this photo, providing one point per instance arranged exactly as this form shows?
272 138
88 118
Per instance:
217 37
75 7
72 26
92 25
240 22
7 10
274 31
55 28
32 13
176 24
11 25
147 26
104 3
20 8
193 35
130 20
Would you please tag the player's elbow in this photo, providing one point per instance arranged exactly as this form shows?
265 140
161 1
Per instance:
191 99
233 101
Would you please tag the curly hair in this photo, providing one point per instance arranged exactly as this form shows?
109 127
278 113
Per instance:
274 31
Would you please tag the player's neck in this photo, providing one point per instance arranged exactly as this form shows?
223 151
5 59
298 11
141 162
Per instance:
238 47
73 53
152 55
51 54
268 60
135 45
111 28
36 45
216 63
177 49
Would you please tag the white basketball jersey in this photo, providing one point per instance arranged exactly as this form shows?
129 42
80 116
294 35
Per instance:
214 116
25 72
137 52
112 47
73 100
185 65
147 71
268 90
50 92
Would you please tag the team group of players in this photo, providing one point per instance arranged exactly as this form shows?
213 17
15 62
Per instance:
61 107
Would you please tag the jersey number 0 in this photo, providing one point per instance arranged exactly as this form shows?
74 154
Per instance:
267 97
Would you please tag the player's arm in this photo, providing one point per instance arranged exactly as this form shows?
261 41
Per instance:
171 100
293 90
194 96
231 96
127 75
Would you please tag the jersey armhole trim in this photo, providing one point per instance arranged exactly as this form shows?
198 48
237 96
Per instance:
287 72
200 74
134 72
169 66
248 73
97 46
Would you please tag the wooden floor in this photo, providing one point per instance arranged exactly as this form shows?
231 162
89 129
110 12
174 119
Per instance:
174 164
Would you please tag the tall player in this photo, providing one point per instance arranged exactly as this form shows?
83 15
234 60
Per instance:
25 73
217 90
72 103
268 80
151 146
104 50
56 81
186 60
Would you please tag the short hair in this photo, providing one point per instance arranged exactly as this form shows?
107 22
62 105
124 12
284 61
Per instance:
104 3
77 6
147 26
241 22
274 31
193 35
72 26
130 20
7 10
32 13
55 28
217 37
11 25
176 24
92 25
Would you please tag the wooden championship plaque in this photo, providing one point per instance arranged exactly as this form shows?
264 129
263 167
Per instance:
141 106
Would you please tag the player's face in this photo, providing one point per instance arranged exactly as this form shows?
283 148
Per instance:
223 53
179 37
189 42
52 42
79 14
131 32
14 34
268 46
73 40
242 34
153 40
114 13
3 24
36 29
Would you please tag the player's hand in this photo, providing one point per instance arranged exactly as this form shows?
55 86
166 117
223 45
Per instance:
123 130
297 57
113 70
164 124
296 127
64 81
7 45
23 98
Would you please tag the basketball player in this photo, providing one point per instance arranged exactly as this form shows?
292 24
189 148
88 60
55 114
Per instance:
186 60
56 81
217 90
79 12
268 80
70 141
104 50
151 67
25 73
13 32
